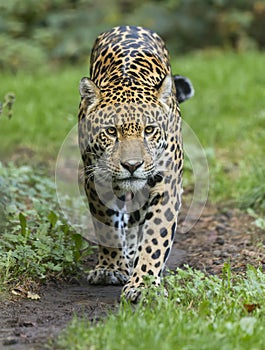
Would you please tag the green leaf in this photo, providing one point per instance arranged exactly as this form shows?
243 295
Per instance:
23 224
53 218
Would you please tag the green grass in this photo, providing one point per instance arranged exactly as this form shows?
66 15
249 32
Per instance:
45 109
201 313
227 114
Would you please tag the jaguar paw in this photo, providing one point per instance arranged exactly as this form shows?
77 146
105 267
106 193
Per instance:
103 276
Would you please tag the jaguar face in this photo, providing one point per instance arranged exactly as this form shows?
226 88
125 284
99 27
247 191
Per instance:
125 140
127 145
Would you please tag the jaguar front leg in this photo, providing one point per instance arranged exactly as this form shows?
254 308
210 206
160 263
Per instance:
113 267
156 235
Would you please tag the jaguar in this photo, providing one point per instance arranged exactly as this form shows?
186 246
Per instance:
129 130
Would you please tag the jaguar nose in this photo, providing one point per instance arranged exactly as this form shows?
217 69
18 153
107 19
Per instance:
132 165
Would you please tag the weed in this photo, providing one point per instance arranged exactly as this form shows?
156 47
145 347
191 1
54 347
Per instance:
35 242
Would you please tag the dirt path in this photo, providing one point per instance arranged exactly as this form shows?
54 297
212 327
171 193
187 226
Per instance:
218 237
28 324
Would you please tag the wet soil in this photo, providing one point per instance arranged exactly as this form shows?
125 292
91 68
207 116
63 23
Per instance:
219 236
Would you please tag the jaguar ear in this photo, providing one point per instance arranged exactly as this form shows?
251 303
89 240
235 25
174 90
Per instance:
165 89
184 88
89 91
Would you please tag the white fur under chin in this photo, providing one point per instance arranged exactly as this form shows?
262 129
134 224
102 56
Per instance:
132 185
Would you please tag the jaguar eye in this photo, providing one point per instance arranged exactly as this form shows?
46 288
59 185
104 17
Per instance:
111 131
149 129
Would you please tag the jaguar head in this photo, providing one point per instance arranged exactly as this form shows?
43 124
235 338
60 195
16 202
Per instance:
124 142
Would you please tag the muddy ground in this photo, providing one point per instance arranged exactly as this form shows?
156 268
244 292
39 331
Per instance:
219 236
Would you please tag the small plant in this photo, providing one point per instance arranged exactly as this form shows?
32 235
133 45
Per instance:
35 242
7 106
253 195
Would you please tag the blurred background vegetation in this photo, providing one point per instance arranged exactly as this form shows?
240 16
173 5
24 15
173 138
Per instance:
45 32
219 44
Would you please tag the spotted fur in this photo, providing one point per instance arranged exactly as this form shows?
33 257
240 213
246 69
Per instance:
131 146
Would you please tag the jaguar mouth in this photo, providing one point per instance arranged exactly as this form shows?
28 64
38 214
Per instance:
131 178
131 183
